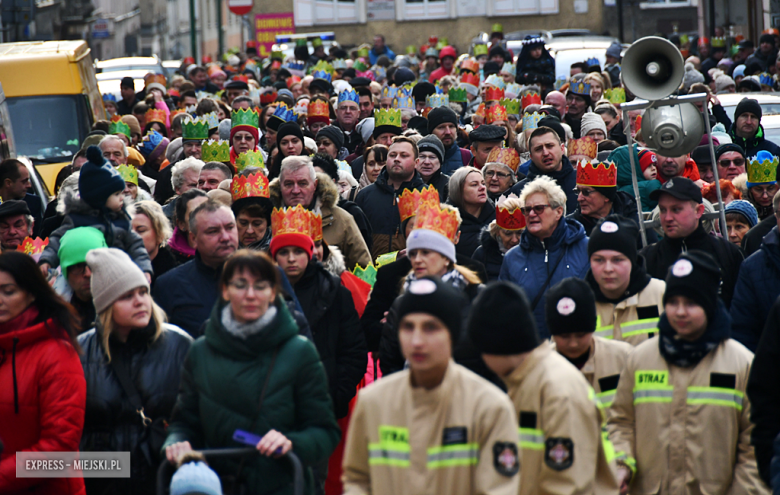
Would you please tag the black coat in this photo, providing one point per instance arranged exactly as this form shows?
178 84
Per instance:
441 182
110 421
489 254
623 205
661 255
163 263
361 220
755 236
471 227
330 311
566 177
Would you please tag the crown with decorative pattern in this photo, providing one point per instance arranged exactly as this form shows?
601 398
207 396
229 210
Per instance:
531 98
513 90
296 68
194 129
509 68
762 172
596 174
496 113
431 216
295 220
504 156
494 94
470 79
250 158
215 151
349 95
315 217
583 147
284 113
390 92
33 247
436 100
469 65
174 113
253 186
404 102
367 274
154 115
155 80
211 119
718 42
267 96
318 111
765 79
457 95
496 81
480 111
480 49
360 65
119 127
531 120
128 173
390 117
410 200
339 64
245 116
512 106
509 219
615 95
580 88
593 62
323 66
321 74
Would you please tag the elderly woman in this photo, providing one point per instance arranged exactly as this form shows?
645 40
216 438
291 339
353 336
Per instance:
374 160
469 195
431 156
499 171
153 226
253 372
179 243
132 363
551 247
500 236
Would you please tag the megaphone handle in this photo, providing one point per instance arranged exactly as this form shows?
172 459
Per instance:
706 115
634 181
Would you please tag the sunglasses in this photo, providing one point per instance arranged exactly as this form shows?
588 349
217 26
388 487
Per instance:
738 162
538 209
584 192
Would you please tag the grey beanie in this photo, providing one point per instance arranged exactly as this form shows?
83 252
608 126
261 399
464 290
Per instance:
173 148
722 82
692 76
428 239
433 144
224 130
591 121
113 274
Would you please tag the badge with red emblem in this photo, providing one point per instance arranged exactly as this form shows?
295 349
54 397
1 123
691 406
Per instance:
505 458
559 453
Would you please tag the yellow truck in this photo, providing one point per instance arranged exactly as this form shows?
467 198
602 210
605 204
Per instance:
53 100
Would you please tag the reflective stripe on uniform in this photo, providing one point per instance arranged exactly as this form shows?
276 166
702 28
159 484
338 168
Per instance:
606 398
453 455
644 396
637 327
387 456
716 396
609 449
626 459
531 438
652 386
605 332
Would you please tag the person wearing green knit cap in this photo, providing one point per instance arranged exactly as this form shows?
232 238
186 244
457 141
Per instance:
74 284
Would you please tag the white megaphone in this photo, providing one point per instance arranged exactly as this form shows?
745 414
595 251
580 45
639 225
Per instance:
652 68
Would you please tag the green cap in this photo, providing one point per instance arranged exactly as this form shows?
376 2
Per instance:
300 42
75 245
316 42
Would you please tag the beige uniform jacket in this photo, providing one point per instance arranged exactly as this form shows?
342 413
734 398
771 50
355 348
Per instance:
560 428
634 319
457 439
602 370
685 430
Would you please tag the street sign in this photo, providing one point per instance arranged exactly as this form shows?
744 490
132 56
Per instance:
240 7
101 29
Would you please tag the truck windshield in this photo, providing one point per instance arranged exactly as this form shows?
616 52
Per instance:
48 128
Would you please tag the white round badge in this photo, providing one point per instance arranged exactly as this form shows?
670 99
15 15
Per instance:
422 287
682 268
609 227
566 306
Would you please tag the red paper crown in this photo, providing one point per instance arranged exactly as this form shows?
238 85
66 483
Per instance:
596 174
470 65
496 113
530 99
469 78
154 115
243 79
411 200
32 246
442 221
584 146
316 226
494 94
253 186
509 219
318 111
267 97
505 156
295 220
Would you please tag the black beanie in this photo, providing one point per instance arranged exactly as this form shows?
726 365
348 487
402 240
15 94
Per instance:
608 192
422 90
747 105
695 275
403 76
491 68
335 134
767 38
614 233
98 179
570 307
433 144
327 164
431 296
502 322
441 115
554 124
289 129
726 148
420 124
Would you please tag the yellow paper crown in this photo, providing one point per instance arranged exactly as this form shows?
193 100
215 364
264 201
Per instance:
250 158
762 172
442 221
615 95
391 117
128 173
411 200
316 225
584 146
215 151
253 186
290 221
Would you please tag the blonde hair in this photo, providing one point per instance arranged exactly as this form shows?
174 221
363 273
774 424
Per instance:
509 204
156 216
106 320
547 186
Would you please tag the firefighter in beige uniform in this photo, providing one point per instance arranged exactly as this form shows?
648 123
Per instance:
570 310
558 416
680 412
628 300
435 428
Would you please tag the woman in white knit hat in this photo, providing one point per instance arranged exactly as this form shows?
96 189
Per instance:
593 126
132 362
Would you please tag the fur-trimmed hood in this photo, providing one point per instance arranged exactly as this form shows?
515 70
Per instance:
327 194
69 201
335 262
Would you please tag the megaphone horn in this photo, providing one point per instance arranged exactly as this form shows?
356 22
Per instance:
652 68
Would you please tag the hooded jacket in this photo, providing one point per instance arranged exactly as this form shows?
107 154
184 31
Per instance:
531 262
539 71
566 178
489 253
624 181
338 226
471 227
754 144
757 288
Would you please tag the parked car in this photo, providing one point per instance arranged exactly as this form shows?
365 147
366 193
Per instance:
770 103
124 64
286 42
771 125
170 67
108 82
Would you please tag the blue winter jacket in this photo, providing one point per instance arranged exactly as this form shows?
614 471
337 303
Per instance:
529 263
757 289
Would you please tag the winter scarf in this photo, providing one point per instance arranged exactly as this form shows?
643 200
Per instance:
452 277
687 354
245 330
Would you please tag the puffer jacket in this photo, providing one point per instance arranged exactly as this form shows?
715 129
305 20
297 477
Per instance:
114 226
758 286
489 254
379 201
338 226
624 181
41 402
471 227
566 178
111 422
221 387
755 144
529 263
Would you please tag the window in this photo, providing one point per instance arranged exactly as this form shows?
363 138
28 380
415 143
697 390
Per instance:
663 4
523 7
426 9
315 12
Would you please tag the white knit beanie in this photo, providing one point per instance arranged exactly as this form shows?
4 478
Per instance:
722 82
113 274
591 121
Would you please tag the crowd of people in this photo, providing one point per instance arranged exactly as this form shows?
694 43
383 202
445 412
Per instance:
420 273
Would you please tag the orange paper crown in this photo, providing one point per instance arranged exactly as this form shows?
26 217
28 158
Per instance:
470 65
505 156
506 219
253 186
596 174
32 246
155 78
530 99
469 78
316 225
495 113
584 146
494 94
411 200
480 111
318 108
442 221
154 115
291 221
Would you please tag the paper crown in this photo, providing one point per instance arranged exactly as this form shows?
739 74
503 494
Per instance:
435 101
596 174
509 219
316 225
531 98
295 220
615 95
250 158
295 67
33 247
411 50
360 65
480 49
497 28
480 111
154 115
512 106
244 116
442 221
211 119
718 42
404 102
253 186
367 274
509 68
391 117
411 200
432 40
215 151
469 65
765 79
119 127
495 80
531 120
174 113
321 74
155 79
470 79
196 128
504 156
318 110
762 172
339 64
267 97
513 90
457 95
494 94
580 88
593 62
284 113
109 97
379 72
584 146
496 113
324 66
390 92
349 95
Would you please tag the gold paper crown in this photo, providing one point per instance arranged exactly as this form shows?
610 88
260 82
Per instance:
253 186
290 221
155 78
442 221
250 158
615 95
512 106
128 173
504 156
194 129
367 274
215 151
496 113
318 108
580 88
32 246
391 117
411 200
584 146
531 98
480 111
154 115
509 219
316 225
762 172
494 94
596 174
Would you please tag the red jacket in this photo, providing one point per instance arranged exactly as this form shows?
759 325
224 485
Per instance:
42 406
439 73
691 171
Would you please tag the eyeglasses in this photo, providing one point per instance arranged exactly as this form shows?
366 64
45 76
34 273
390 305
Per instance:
494 173
738 162
538 209
584 192
243 138
241 286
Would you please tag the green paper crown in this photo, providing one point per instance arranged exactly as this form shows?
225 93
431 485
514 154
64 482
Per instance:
363 52
512 106
215 151
718 42
244 116
250 159
119 127
277 54
497 28
195 129
367 274
300 42
322 66
457 95
316 42
385 259
762 172
480 50
387 117
616 95
360 66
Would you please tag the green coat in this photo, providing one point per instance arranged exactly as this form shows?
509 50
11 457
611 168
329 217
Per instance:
220 392
624 181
